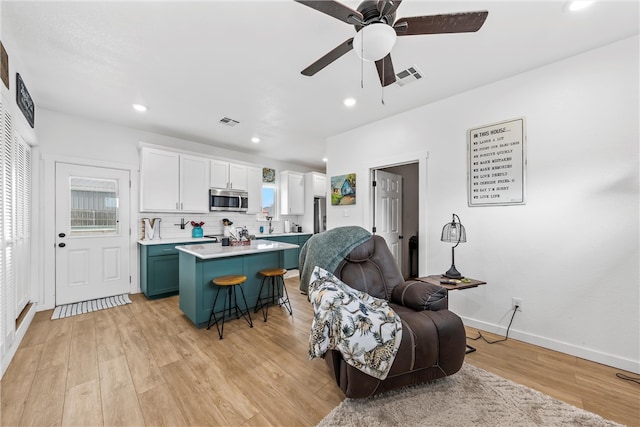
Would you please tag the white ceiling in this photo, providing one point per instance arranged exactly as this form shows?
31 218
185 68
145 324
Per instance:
193 63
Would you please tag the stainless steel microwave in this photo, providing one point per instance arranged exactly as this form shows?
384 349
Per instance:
228 200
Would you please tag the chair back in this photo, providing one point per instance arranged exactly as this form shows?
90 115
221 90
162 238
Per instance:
371 268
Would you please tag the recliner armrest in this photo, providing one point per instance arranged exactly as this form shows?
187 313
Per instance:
420 296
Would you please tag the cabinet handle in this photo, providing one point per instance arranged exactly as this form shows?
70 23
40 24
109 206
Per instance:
181 205
176 205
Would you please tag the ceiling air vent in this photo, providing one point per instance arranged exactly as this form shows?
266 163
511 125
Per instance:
229 122
407 76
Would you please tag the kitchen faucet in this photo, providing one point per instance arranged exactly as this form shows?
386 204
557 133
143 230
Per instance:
269 218
182 224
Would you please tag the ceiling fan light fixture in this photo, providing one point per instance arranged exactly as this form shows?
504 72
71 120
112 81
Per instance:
374 41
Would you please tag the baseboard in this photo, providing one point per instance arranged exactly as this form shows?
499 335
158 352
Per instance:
581 352
19 335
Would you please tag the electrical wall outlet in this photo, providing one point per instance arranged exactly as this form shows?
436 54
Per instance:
516 302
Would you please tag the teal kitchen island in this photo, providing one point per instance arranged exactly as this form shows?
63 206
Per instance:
199 264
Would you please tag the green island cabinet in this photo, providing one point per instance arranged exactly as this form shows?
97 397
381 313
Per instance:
159 273
290 255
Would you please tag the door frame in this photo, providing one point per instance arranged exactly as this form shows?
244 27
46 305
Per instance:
422 159
46 283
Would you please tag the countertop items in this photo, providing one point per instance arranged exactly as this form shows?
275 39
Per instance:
176 240
212 250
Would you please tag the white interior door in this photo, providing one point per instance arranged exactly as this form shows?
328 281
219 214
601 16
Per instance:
92 232
388 212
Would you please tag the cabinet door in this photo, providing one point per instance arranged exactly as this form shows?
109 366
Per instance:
219 174
296 193
194 184
237 177
159 180
254 188
163 277
319 185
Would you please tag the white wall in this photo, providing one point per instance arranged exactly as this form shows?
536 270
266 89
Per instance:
572 252
63 137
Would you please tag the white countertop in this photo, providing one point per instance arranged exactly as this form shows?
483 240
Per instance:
260 236
206 239
174 240
216 250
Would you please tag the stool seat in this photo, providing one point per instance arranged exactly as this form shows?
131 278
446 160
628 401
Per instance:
272 272
230 280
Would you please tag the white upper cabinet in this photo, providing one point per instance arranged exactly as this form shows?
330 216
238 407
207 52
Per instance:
319 184
173 182
194 184
227 175
159 181
291 193
254 188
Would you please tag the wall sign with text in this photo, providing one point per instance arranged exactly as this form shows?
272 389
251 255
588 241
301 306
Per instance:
24 101
497 164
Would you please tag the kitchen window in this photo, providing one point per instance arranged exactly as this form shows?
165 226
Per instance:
269 202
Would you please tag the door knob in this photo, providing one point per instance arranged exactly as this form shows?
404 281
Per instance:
62 245
61 235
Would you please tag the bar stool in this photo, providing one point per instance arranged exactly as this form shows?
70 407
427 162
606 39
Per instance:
230 282
275 276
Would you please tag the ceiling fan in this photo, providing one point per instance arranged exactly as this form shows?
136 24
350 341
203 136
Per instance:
376 31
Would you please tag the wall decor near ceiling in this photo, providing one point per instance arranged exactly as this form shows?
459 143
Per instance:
24 101
4 66
497 164
268 175
343 189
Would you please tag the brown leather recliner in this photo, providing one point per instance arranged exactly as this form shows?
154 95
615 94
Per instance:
433 338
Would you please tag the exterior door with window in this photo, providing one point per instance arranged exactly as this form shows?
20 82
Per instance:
92 233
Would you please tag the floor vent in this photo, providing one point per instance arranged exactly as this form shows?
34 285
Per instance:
229 122
407 76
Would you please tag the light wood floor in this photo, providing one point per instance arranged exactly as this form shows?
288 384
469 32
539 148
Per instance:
145 364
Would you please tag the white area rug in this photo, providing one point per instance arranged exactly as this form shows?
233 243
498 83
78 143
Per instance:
472 397
89 306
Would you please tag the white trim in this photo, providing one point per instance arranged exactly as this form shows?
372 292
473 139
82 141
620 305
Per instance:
46 190
19 335
562 347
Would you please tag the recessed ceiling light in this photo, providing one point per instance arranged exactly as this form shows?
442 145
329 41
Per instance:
576 5
324 159
255 139
140 108
349 102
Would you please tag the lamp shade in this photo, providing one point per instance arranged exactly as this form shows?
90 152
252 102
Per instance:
374 41
453 232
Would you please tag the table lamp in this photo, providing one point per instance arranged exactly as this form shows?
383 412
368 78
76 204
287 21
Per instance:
453 232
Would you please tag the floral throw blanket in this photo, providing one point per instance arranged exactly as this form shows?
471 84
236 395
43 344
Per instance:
364 329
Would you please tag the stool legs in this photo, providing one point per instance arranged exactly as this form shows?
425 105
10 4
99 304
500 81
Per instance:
231 294
283 299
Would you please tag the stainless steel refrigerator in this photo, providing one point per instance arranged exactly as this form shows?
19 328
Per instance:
319 215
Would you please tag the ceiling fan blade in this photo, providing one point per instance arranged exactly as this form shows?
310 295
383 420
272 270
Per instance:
385 70
328 58
466 22
387 7
335 9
